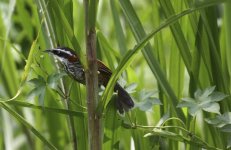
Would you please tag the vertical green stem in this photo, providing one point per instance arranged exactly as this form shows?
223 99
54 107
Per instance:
94 122
51 39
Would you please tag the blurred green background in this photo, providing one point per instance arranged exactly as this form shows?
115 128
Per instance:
175 58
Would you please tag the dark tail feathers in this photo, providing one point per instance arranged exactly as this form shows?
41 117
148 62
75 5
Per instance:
124 102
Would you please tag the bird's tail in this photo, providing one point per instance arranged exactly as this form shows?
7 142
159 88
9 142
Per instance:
124 102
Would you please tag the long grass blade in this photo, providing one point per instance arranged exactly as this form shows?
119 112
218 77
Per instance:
29 126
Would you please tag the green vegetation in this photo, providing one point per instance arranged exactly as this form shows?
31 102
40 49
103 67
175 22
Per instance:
172 57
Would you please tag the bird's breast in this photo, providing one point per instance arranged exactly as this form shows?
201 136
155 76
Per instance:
76 71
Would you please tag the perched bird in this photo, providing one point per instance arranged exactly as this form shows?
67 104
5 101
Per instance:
74 69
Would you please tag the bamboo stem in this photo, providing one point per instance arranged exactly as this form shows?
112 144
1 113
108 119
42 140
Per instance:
94 122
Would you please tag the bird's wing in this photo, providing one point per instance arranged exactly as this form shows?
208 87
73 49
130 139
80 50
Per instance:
104 69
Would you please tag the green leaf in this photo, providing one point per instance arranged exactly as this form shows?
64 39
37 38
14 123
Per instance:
194 140
27 68
112 124
118 28
37 81
226 128
54 77
229 141
131 88
177 32
44 108
204 100
129 56
28 126
213 108
221 120
37 91
147 100
148 104
40 86
106 49
167 134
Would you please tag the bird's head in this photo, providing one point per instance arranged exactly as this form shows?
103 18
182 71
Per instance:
63 54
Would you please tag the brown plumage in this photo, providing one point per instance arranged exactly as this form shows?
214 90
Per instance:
75 69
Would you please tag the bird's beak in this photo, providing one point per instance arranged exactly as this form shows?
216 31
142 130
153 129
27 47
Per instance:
47 51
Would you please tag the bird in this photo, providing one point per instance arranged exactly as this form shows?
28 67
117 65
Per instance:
74 68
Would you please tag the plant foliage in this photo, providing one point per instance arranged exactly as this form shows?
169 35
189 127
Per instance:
180 49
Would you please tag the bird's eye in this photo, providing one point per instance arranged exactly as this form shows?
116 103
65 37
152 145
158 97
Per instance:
57 52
